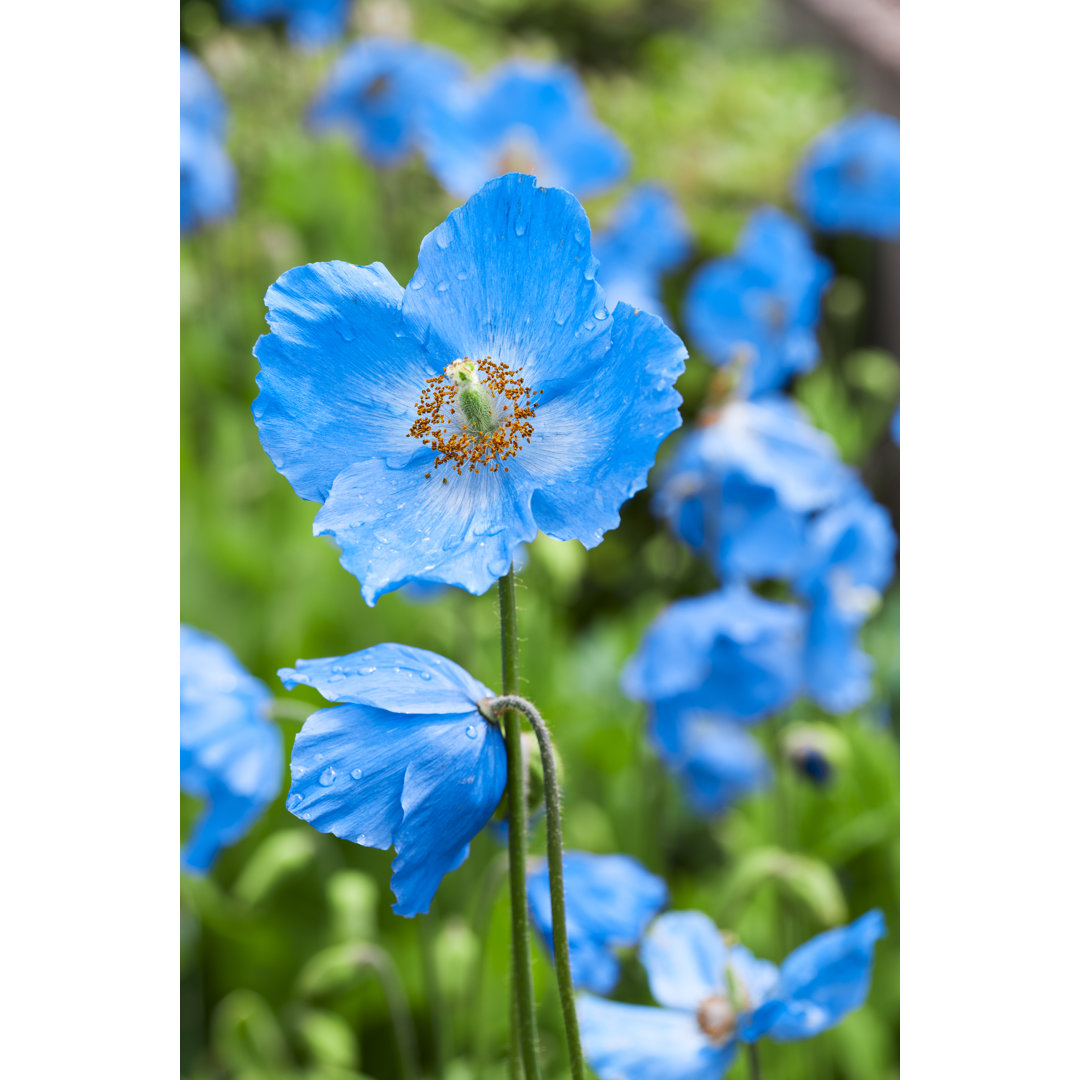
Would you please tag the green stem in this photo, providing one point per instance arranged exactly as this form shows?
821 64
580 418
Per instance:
528 1043
397 1004
561 945
755 1064
427 928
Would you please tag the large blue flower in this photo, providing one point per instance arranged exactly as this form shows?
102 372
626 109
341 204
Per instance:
375 90
713 996
850 178
743 484
441 425
646 237
761 305
610 900
406 759
311 23
207 177
729 652
230 752
716 760
525 117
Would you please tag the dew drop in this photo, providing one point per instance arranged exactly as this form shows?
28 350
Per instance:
520 226
471 731
295 799
362 838
600 314
327 777
365 671
442 286
426 676
356 773
462 276
335 678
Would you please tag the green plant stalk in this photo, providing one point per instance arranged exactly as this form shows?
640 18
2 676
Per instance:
485 902
560 942
427 929
755 1064
397 1004
527 1043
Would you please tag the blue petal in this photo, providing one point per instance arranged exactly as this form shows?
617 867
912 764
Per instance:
425 783
340 374
311 23
756 979
637 1042
398 678
201 103
820 982
207 178
684 957
837 671
610 899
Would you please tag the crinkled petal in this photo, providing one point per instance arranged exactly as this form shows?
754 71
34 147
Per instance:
820 982
425 783
684 957
340 374
398 678
396 524
637 1042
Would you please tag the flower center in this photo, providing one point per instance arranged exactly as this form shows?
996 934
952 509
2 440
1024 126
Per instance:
475 414
716 1018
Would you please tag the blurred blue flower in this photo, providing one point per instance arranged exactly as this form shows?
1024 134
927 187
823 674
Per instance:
894 427
849 180
441 425
407 760
230 752
728 652
207 177
716 760
743 484
610 900
310 23
713 996
646 237
526 117
375 90
760 306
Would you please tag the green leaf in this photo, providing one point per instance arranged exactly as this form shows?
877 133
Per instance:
245 1034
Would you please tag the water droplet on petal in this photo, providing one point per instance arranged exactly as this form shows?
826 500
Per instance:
356 773
600 313
365 671
362 838
295 799
335 678
471 731
520 226
327 777
425 675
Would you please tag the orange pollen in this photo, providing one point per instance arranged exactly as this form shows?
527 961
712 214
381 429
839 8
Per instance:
442 427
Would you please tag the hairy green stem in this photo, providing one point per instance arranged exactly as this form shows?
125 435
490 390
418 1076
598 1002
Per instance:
561 945
528 1043
427 927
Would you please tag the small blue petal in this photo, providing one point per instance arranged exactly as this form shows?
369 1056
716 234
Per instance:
837 671
685 958
637 1042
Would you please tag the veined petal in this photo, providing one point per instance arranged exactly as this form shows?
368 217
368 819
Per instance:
396 524
510 275
399 678
684 957
340 373
638 1042
424 783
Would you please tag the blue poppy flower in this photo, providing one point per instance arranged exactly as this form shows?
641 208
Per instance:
760 306
207 177
310 23
743 484
406 759
523 117
714 996
230 752
715 760
610 900
729 652
374 93
646 237
441 425
849 180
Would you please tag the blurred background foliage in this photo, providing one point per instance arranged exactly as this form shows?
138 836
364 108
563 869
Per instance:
284 946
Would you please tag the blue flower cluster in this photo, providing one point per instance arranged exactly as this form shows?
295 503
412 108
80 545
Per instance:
714 996
207 177
310 23
230 752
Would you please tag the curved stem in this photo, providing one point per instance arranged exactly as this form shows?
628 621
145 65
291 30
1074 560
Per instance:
528 1043
561 945
397 1004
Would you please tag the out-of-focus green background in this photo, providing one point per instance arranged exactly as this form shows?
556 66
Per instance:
714 101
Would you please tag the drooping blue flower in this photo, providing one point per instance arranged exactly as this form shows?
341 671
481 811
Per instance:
230 752
610 900
743 484
526 117
847 563
646 237
849 180
310 23
375 91
729 652
441 425
406 759
715 760
714 996
760 306
207 177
